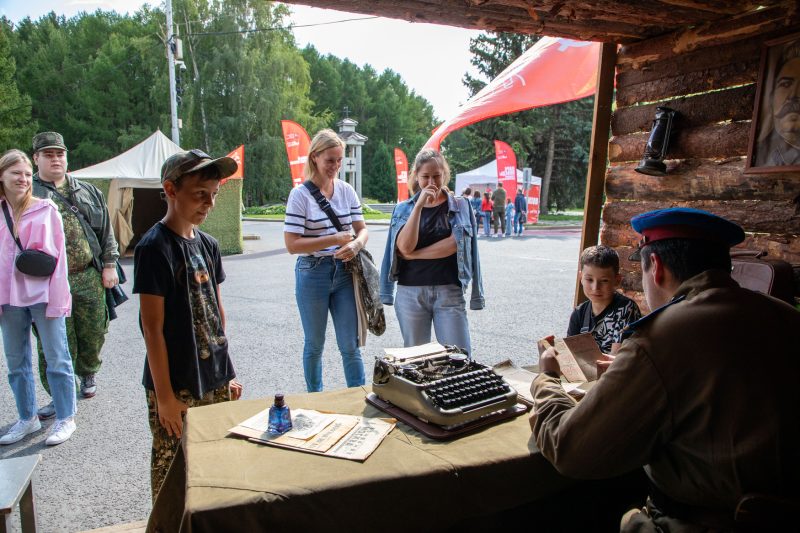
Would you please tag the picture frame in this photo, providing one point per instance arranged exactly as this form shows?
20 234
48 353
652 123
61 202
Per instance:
768 149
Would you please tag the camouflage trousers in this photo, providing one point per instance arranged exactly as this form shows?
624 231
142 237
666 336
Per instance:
86 328
164 446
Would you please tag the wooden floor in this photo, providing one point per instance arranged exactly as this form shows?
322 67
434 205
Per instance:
130 527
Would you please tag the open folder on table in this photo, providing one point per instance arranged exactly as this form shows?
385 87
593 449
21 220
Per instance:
330 434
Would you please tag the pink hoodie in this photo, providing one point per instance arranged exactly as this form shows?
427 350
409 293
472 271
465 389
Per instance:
40 228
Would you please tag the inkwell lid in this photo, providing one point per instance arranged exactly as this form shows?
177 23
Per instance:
279 400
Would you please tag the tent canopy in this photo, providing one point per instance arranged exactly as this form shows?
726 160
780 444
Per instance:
485 176
139 167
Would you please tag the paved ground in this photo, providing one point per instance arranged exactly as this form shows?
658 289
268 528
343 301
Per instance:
101 475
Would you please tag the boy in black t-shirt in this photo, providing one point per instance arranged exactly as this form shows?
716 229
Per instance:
607 312
177 272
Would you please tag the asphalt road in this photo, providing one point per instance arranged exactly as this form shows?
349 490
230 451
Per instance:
101 475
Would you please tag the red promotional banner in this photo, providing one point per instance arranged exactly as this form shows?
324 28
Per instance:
238 156
401 167
297 144
533 203
552 71
506 168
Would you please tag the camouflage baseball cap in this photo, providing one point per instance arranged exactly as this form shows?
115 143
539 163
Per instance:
48 139
190 161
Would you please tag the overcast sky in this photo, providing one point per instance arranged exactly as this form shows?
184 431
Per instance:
431 59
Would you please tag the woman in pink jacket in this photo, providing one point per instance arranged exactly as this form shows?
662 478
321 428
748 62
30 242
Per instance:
27 300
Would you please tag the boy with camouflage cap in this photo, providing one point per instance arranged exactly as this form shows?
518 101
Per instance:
177 272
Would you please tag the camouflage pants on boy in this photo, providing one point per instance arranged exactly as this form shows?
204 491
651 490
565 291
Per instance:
165 446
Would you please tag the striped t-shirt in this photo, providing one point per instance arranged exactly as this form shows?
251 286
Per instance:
304 216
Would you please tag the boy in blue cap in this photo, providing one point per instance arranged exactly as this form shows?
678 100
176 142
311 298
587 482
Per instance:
688 395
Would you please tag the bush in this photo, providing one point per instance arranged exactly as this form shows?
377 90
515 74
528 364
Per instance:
277 209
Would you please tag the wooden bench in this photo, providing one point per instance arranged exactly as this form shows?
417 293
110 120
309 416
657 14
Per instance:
16 488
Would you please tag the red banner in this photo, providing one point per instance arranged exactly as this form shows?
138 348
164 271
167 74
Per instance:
297 144
401 167
552 71
533 203
238 156
506 168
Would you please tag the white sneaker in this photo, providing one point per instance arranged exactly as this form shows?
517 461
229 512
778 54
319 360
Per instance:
19 430
61 431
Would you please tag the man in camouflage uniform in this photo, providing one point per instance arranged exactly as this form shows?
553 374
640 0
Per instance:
91 258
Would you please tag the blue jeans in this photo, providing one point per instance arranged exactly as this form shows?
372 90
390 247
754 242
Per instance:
16 325
444 305
322 284
487 221
519 223
509 223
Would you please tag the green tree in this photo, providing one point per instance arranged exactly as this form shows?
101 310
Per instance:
16 127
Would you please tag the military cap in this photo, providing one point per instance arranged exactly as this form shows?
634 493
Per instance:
48 139
684 223
194 160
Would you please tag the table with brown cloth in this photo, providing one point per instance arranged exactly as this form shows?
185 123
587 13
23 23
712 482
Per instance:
219 482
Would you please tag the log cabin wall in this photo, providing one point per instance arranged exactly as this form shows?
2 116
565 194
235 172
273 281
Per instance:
709 75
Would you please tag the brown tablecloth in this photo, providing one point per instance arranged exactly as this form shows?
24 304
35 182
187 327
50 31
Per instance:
222 483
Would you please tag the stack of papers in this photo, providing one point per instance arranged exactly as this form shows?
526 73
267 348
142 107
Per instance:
333 435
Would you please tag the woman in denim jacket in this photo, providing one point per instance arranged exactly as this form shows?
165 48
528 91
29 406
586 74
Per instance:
432 254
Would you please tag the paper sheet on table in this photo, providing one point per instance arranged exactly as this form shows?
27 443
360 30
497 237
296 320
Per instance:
346 436
517 377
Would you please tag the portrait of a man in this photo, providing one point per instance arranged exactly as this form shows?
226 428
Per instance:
777 138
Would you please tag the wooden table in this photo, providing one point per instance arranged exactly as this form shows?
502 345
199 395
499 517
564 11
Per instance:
16 487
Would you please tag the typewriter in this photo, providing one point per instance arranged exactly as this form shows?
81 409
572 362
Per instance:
447 388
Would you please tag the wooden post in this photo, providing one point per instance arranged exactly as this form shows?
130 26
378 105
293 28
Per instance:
598 153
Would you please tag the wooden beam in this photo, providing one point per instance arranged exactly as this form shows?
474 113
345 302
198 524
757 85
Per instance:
598 153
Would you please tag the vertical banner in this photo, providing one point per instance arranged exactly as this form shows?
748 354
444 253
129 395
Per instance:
533 200
401 167
238 156
297 145
506 168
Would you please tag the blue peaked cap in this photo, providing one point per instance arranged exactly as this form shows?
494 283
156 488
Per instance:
685 223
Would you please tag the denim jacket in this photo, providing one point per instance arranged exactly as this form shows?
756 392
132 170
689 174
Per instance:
465 230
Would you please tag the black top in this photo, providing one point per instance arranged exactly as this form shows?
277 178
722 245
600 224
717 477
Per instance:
434 225
606 328
186 272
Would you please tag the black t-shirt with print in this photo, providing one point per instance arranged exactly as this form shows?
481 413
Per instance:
434 225
186 273
606 328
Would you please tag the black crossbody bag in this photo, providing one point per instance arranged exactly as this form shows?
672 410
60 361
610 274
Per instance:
30 262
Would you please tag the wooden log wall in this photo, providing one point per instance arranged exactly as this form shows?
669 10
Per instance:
708 74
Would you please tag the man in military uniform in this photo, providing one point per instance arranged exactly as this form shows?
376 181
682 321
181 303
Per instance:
91 258
694 394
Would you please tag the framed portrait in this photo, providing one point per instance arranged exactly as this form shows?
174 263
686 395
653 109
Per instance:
774 144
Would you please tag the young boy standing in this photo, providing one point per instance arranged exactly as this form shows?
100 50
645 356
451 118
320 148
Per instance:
177 272
606 312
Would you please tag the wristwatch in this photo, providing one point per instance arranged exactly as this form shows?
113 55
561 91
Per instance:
109 265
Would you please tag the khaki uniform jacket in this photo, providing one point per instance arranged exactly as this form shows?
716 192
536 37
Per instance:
702 394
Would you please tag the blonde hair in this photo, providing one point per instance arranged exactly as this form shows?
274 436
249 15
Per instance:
426 155
323 140
8 160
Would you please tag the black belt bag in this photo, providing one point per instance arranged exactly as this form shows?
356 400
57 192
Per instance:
30 262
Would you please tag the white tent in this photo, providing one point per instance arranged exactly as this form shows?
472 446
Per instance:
485 176
138 168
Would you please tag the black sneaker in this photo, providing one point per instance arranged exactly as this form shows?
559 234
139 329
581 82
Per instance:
88 386
46 412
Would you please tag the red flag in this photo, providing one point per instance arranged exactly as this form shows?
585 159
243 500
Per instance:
238 156
506 168
297 144
533 203
552 71
401 167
